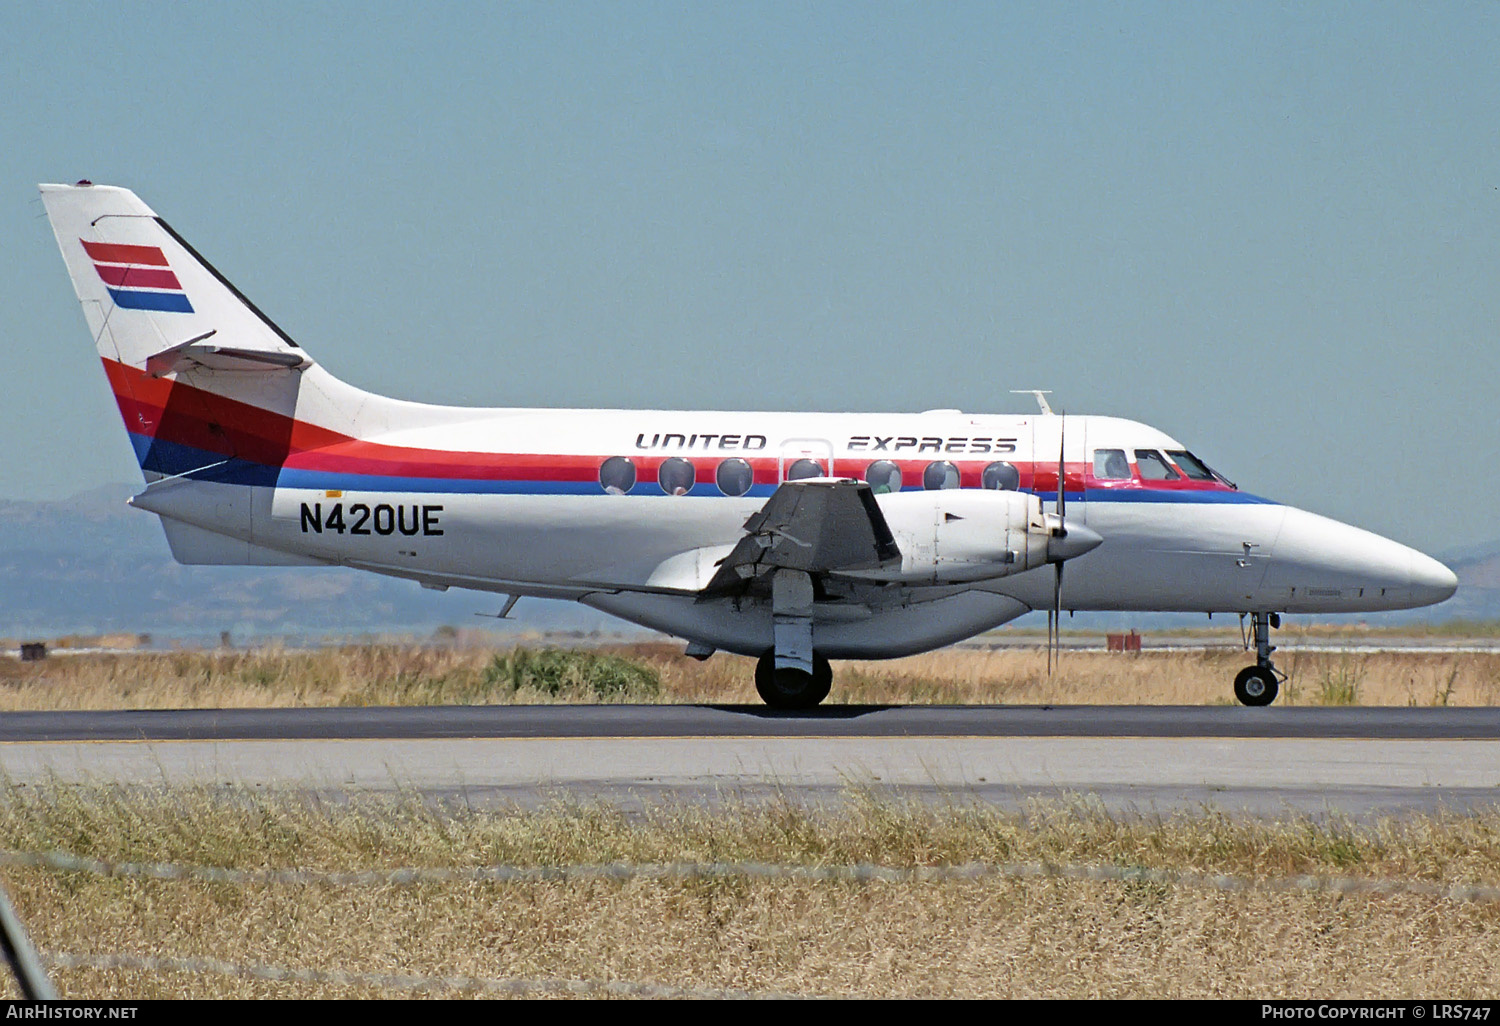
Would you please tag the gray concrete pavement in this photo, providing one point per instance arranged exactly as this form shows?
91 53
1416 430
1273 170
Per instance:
1358 762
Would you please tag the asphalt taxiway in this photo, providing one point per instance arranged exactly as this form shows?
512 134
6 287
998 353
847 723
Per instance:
1350 761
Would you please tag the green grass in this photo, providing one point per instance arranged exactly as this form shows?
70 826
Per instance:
565 673
1340 683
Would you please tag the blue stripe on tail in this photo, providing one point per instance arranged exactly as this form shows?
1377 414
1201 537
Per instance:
167 302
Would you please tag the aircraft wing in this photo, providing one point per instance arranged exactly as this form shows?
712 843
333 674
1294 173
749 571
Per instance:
817 525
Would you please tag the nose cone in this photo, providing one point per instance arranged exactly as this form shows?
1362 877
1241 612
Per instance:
1071 541
1321 565
1431 581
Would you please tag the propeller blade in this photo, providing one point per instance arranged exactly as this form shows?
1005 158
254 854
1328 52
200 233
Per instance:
1050 621
1054 616
1084 541
1062 486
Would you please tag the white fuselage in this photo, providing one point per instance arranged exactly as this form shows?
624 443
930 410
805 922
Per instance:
512 501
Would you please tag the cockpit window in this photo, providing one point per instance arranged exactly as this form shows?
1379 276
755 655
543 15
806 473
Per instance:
1111 465
1195 468
1153 466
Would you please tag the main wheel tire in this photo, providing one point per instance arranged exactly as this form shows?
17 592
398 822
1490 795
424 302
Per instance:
1256 685
822 679
788 688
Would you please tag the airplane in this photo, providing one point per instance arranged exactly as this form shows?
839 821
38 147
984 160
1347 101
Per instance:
790 538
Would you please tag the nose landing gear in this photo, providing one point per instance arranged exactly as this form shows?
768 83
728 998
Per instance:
1259 684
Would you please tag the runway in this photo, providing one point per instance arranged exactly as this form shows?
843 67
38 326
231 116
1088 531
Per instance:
1360 762
726 721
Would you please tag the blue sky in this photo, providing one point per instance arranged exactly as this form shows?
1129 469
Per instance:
1270 230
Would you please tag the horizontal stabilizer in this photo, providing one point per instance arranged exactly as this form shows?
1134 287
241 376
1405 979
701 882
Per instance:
195 354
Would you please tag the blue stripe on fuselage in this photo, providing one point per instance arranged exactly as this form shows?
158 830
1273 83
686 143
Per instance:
173 460
1160 495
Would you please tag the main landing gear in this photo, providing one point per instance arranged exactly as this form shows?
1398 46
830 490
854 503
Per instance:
1259 684
791 675
787 687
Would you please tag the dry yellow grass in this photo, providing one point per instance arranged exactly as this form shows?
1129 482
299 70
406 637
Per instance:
395 674
1173 678
992 938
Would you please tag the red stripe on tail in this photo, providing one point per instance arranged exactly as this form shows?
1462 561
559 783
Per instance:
138 277
118 253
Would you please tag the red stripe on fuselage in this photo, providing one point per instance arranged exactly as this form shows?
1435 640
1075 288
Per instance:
119 253
183 414
179 413
374 459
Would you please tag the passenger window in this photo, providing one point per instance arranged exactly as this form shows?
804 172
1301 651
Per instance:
734 476
941 474
617 475
1001 476
1153 466
1191 465
1111 465
676 476
883 476
803 469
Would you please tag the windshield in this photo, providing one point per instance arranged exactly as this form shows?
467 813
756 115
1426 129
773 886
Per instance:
1153 467
1195 468
1111 465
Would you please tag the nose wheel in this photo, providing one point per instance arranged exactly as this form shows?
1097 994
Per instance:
1256 686
1260 684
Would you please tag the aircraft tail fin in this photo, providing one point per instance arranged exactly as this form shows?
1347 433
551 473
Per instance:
209 387
151 302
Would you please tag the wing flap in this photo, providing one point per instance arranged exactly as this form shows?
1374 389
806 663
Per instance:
816 525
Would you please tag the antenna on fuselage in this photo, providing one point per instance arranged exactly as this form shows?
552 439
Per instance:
1041 396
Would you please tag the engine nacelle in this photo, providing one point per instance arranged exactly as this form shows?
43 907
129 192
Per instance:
956 536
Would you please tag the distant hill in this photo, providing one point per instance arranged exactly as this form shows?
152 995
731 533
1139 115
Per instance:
1478 571
90 564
